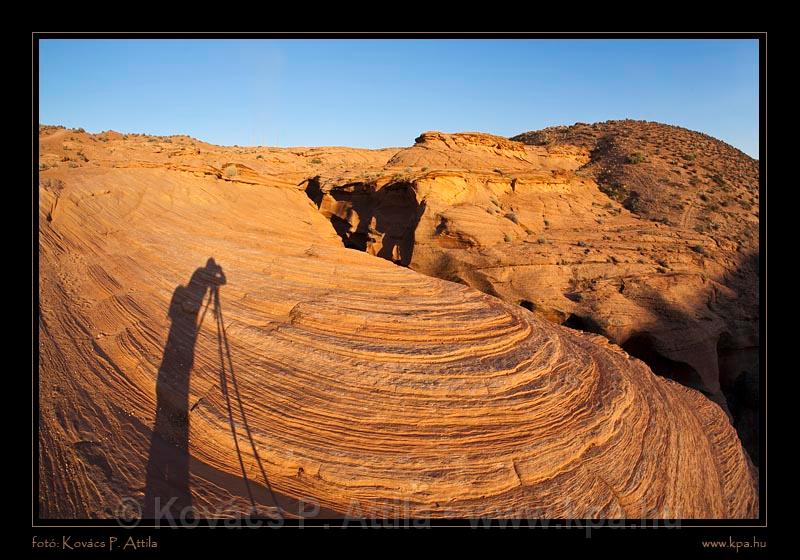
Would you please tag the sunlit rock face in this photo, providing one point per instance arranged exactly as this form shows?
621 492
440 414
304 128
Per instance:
291 369
642 232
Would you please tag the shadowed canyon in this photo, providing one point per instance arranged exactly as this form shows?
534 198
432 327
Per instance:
564 324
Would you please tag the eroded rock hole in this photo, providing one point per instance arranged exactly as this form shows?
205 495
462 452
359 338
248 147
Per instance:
582 323
314 192
645 348
739 381
379 221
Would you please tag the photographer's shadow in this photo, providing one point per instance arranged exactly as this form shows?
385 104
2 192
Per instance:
167 477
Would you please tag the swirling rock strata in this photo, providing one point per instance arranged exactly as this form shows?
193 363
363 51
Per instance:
642 232
367 388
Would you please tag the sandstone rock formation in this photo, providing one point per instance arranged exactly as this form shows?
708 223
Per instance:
690 180
644 233
340 378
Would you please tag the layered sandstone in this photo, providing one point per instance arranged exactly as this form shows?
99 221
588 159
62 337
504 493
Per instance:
363 386
644 233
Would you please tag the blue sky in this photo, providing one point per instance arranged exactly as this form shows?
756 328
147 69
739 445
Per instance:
380 93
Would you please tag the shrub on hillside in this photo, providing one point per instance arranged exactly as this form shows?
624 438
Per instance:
635 157
615 190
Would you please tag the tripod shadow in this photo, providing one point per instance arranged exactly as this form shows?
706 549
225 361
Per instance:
167 478
226 372
167 492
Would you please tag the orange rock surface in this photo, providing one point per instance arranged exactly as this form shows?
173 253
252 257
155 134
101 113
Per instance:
644 233
332 376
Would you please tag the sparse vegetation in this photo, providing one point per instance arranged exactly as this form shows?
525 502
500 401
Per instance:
316 161
698 249
541 240
231 171
512 216
635 157
718 180
615 191
633 202
259 156
56 185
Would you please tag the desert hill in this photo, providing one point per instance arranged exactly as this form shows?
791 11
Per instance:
669 174
328 374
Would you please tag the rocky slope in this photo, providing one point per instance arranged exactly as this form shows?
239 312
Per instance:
689 180
332 376
644 233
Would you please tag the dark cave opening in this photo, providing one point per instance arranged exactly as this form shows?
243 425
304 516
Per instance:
739 381
645 348
314 192
363 216
583 323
